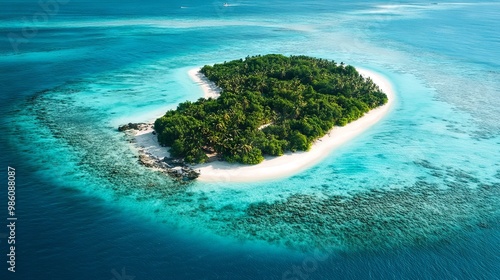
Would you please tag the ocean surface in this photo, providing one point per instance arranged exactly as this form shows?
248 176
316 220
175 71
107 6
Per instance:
417 196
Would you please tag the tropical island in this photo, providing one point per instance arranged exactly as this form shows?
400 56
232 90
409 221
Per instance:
268 106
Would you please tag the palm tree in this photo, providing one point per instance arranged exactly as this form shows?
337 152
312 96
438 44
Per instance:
245 148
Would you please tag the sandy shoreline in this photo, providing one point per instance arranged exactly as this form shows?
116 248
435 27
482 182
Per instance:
291 163
147 141
275 167
210 90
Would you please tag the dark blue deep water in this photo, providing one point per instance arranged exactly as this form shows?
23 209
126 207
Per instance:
71 71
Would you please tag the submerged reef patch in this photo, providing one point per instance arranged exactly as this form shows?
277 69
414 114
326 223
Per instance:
371 220
383 217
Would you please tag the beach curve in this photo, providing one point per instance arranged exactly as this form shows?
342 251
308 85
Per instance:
274 167
291 163
210 90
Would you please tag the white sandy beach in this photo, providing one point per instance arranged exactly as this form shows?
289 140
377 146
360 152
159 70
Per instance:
288 164
210 90
148 142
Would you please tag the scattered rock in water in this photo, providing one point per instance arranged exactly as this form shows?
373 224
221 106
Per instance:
483 225
174 167
136 126
146 161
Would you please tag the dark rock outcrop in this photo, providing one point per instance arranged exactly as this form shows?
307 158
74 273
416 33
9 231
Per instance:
136 126
175 168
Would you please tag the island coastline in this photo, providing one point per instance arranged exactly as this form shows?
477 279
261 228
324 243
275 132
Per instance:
210 90
146 139
274 167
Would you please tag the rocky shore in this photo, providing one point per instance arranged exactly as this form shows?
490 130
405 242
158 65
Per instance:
175 168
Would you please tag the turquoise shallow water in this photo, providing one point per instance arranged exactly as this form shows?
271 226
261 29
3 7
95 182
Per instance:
414 197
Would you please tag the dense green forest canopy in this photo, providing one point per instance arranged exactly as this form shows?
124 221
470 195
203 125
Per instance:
269 105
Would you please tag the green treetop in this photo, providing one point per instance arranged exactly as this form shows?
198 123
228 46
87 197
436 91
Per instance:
269 105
